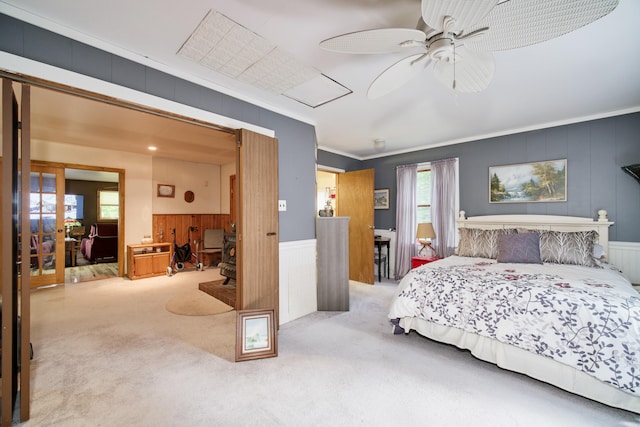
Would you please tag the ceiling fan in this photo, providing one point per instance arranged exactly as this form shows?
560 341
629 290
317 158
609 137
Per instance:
457 36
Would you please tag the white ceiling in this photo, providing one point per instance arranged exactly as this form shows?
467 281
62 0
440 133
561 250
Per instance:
69 119
591 72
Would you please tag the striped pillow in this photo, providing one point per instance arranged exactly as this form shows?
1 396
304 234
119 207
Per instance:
476 242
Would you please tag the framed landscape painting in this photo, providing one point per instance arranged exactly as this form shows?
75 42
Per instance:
381 199
256 335
529 182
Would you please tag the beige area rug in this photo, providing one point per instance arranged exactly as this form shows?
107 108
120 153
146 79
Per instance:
196 303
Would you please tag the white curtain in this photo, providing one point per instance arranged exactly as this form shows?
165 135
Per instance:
406 178
444 190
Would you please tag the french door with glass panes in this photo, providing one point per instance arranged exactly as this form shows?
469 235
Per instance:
46 217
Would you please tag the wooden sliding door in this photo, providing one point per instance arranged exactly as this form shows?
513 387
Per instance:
14 251
257 238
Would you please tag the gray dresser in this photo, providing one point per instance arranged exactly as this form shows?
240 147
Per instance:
333 263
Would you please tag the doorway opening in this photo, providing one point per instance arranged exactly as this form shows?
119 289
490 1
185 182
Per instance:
351 195
87 257
326 193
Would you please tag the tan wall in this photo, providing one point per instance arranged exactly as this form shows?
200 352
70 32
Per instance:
202 179
142 174
138 192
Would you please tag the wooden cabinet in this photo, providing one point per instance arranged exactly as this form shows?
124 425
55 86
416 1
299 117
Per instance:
333 263
148 260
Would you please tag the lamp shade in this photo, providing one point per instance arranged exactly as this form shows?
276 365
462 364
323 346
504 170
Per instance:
425 231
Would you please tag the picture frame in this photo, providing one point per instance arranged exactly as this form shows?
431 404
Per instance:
381 198
166 190
256 336
544 181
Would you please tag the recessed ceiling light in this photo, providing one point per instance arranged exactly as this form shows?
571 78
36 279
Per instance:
152 148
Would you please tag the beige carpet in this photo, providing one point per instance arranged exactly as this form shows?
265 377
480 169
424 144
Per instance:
107 353
196 303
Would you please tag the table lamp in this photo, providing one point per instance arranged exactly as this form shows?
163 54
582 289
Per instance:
424 234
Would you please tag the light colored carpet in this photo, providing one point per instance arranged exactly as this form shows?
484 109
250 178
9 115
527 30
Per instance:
196 303
107 353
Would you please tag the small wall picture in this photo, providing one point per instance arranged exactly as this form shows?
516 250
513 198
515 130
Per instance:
166 190
381 198
529 182
256 336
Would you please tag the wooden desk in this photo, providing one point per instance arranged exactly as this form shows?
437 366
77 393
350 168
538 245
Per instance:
379 242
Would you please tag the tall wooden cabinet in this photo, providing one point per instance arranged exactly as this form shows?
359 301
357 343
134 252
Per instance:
332 234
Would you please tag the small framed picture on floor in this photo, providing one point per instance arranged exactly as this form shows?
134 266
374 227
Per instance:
256 336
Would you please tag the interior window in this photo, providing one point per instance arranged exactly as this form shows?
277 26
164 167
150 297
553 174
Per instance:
423 188
108 205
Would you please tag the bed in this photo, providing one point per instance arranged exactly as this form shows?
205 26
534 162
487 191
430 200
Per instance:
533 294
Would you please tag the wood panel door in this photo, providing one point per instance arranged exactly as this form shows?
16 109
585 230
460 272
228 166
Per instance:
15 281
354 193
46 217
257 242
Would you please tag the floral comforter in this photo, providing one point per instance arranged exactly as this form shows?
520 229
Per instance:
583 317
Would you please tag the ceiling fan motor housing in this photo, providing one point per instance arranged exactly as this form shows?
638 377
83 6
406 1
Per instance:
441 49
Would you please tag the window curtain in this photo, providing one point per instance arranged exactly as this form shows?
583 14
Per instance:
406 178
444 190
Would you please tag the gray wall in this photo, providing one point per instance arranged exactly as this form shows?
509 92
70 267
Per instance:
326 158
595 152
296 139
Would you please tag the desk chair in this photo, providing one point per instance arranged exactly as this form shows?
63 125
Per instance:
77 232
212 243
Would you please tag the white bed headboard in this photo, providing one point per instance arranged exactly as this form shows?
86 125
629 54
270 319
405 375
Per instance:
542 222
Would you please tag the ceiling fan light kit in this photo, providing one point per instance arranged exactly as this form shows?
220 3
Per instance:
459 35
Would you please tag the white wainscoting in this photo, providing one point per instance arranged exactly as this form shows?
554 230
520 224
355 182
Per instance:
392 249
298 279
626 256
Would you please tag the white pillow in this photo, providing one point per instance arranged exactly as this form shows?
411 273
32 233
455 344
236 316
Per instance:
598 251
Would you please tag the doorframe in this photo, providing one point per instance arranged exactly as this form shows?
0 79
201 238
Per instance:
147 106
121 194
328 169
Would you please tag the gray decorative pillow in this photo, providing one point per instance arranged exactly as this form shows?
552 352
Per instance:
521 248
476 242
568 247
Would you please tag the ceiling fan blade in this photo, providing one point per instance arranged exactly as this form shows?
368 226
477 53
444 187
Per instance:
397 75
519 23
473 71
465 13
384 40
